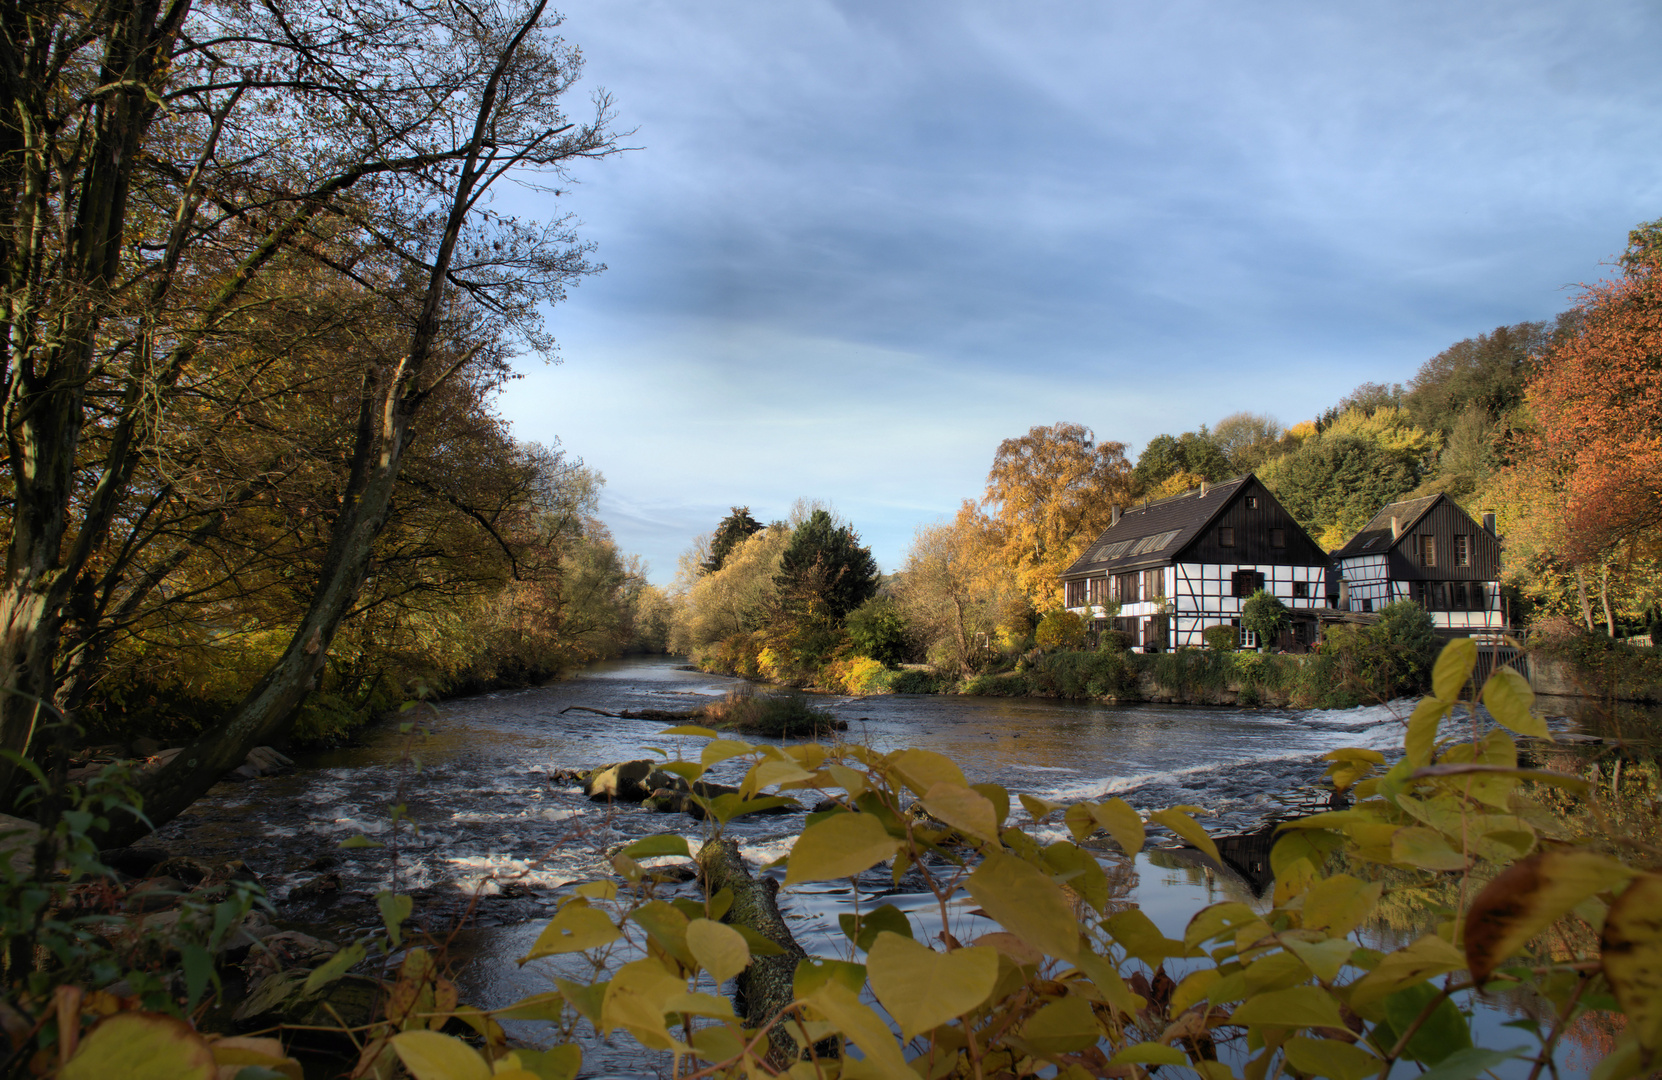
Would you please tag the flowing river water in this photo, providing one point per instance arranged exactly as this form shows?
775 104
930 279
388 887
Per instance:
487 835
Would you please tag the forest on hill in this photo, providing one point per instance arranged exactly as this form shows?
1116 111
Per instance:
1555 426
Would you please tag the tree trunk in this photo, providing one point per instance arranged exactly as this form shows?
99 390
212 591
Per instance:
1604 599
766 985
1581 594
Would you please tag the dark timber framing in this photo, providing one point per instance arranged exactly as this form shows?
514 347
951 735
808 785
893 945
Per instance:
1431 551
1184 563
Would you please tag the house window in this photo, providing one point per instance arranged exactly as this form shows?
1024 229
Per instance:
1427 545
1367 605
1154 584
1096 590
1125 588
1462 550
1252 502
1247 638
1245 582
1301 590
1074 594
1226 537
1278 538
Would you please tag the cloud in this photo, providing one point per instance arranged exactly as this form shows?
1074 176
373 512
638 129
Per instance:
863 242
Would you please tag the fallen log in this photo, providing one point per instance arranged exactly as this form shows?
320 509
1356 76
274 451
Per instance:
765 986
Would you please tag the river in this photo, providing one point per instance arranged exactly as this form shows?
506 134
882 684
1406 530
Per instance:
482 826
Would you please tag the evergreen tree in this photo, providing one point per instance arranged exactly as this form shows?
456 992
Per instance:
734 529
825 572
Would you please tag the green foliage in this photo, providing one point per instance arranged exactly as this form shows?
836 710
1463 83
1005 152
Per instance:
824 572
1194 452
1264 615
878 629
781 716
913 681
1334 482
1384 659
1225 638
1601 662
734 529
1060 630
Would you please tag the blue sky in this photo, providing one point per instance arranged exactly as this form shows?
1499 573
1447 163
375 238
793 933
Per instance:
860 243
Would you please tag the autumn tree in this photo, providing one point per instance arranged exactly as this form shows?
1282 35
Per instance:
162 162
1050 493
957 589
734 528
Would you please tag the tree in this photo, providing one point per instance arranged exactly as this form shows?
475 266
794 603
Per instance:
1060 629
1334 481
734 528
957 589
1264 615
824 572
878 629
1050 493
1247 439
190 155
1193 453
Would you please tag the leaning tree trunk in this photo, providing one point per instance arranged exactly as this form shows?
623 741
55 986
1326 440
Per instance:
766 984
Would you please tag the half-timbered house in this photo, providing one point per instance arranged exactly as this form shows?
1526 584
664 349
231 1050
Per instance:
1182 564
1430 551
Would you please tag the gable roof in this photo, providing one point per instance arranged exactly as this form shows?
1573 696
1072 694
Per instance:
1375 537
1150 534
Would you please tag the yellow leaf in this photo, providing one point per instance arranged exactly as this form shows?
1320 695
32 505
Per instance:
240 1050
968 811
923 988
1065 1025
722 749
1140 938
771 771
1331 1058
1325 958
921 770
1508 698
556 1063
699 1005
1422 730
1122 823
668 926
1301 1006
1027 903
839 846
575 928
1426 849
1424 959
1186 827
841 1007
719 949
1150 1054
141 1046
1193 988
849 780
1527 897
1454 666
1107 980
1038 808
691 729
636 999
432 1056
1339 904
1632 956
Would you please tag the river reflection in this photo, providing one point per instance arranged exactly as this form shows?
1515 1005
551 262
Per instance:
493 841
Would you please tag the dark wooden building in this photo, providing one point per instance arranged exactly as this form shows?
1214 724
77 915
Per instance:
1181 564
1431 551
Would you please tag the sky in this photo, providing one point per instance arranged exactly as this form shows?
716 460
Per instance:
856 245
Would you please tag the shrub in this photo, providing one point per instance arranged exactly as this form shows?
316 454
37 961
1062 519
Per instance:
1225 638
1264 615
863 675
1113 641
877 628
1388 658
783 716
1060 630
913 681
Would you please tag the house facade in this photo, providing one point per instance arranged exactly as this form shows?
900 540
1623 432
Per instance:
1432 552
1184 563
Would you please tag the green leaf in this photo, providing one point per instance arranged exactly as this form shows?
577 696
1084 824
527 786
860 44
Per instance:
1453 667
813 972
198 965
967 811
1426 958
1140 938
1122 823
1508 698
360 842
334 967
1471 1062
1425 848
921 770
863 929
760 944
720 950
1064 1026
394 910
840 846
654 846
922 988
686 770
1442 1033
555 1063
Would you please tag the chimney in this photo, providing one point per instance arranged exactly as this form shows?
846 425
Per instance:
1396 527
1203 487
1489 523
1114 515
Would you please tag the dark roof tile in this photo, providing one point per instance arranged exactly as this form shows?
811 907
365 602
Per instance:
1151 534
1375 537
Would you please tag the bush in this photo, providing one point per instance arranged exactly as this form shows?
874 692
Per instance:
1113 641
783 716
1388 658
1264 615
1060 630
863 675
913 681
877 628
1224 638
